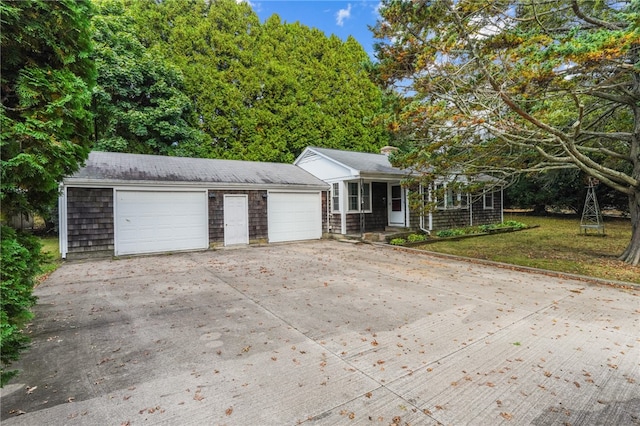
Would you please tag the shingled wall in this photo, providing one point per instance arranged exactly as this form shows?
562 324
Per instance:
90 221
258 222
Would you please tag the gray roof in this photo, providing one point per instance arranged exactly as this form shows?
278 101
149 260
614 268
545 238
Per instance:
364 162
117 167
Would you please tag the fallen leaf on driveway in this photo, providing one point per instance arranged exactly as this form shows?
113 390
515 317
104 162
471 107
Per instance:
31 389
506 415
17 412
228 411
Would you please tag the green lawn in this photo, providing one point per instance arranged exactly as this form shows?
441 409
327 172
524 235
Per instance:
51 250
555 245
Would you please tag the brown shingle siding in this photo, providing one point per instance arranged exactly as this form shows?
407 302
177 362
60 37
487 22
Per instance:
90 220
258 225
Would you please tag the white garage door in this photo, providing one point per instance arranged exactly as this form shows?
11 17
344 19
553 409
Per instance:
294 216
159 221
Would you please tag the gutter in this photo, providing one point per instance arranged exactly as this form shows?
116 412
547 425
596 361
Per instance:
106 183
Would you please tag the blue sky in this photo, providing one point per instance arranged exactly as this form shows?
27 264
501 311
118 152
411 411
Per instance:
342 18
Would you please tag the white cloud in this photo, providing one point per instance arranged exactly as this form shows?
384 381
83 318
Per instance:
343 14
376 10
254 6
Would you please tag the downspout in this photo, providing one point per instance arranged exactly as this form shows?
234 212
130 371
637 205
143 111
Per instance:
62 221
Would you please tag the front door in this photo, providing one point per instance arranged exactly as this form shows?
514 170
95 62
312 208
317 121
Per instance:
236 220
396 206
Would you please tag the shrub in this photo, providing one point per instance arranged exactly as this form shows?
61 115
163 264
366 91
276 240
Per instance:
450 233
485 228
397 241
20 265
514 224
414 238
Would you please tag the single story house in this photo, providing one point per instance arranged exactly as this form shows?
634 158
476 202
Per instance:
123 204
366 195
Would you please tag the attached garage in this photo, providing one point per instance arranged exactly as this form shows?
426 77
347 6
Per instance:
160 221
126 204
294 216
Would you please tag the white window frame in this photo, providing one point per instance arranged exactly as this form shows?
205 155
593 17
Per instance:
451 200
335 197
363 205
485 196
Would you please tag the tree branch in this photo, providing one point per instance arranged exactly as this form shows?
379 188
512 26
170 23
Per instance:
594 21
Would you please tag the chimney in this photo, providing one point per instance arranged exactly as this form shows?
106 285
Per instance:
386 150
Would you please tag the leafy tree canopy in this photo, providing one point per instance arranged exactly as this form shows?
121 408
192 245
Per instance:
518 86
139 99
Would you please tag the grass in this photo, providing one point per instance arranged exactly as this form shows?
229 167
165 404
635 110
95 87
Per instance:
555 245
52 254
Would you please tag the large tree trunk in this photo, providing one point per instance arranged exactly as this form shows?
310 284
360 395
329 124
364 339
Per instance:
632 254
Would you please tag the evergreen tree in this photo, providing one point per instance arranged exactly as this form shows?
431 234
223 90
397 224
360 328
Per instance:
46 80
263 91
139 103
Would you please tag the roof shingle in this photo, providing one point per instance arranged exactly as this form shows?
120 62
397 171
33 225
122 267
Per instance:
120 167
364 162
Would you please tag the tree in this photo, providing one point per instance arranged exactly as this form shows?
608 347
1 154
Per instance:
519 86
559 189
263 91
139 100
45 84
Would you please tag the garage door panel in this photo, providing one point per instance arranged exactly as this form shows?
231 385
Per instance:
294 216
157 221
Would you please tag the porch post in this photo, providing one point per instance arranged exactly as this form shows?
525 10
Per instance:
343 207
360 192
405 203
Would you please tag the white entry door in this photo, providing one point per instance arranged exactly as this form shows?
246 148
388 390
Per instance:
236 220
396 205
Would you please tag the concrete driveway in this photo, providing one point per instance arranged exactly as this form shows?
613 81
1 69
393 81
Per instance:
324 333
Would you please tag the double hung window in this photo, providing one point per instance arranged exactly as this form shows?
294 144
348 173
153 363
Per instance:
359 196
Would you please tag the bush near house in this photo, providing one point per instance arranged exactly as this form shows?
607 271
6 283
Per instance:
20 264
482 229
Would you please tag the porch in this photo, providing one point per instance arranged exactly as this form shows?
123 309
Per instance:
371 208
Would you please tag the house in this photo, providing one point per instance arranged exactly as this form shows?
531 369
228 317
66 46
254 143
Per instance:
367 195
123 204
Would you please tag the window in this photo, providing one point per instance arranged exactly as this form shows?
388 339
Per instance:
448 199
396 198
440 196
488 200
359 196
366 197
335 197
354 205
